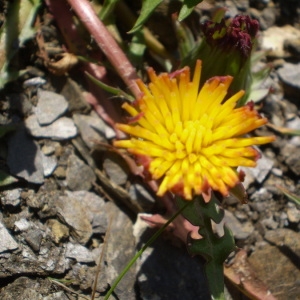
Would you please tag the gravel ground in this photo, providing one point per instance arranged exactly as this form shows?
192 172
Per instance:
74 213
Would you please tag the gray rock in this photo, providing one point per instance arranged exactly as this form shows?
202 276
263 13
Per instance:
91 128
25 158
120 248
50 107
71 90
293 213
62 129
290 76
49 164
268 18
83 276
79 253
259 173
7 243
115 171
278 263
11 197
24 288
269 223
95 208
290 153
58 296
79 175
73 213
22 225
261 195
102 283
284 237
50 260
294 123
34 238
240 230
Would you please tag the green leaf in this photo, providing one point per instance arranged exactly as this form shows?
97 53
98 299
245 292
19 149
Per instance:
110 89
137 48
6 179
17 27
107 8
186 38
213 248
257 95
147 8
187 7
27 13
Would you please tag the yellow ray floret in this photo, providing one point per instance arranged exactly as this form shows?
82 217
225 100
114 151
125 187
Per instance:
193 138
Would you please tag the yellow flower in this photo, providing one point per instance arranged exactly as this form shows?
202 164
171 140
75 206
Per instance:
192 139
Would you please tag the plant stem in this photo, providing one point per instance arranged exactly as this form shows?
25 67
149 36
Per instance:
107 44
140 252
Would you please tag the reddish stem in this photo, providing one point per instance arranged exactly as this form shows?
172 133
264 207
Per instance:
107 44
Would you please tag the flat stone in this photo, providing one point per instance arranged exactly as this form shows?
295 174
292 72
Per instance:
95 208
290 153
11 197
114 168
34 238
7 243
293 213
261 195
240 230
79 253
50 106
49 164
22 225
273 39
79 175
83 276
284 237
24 288
259 173
73 213
91 128
120 248
29 165
269 223
290 76
62 129
277 268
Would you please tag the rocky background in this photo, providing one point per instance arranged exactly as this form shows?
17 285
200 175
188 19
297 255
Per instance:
69 223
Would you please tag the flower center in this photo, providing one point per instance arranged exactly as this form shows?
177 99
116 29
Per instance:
189 139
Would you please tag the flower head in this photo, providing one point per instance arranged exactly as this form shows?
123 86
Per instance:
193 140
237 36
226 48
